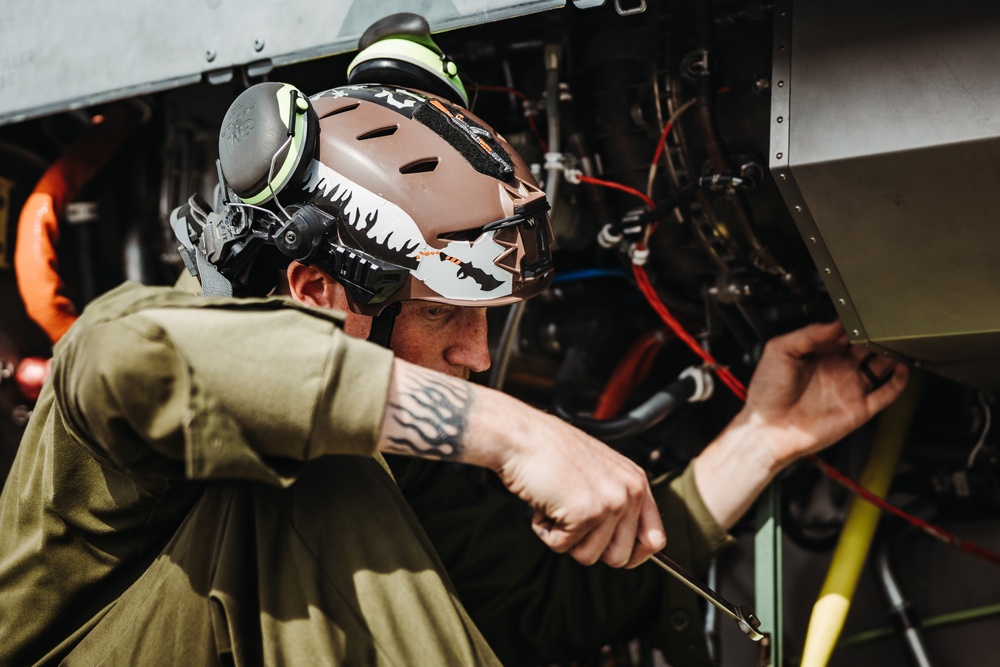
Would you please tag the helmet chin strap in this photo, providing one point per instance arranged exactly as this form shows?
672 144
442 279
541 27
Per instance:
381 331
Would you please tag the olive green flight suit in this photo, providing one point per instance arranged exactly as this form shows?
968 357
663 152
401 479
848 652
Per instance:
173 501
199 485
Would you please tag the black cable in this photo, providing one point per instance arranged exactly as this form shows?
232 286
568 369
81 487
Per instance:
641 418
664 207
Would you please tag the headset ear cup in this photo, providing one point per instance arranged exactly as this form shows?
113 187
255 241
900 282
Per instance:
267 141
396 72
399 50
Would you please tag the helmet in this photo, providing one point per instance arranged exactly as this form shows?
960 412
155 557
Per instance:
395 192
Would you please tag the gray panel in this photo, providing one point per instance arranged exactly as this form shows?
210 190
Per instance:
62 54
889 137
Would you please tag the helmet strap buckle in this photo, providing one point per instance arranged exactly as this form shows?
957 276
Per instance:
382 325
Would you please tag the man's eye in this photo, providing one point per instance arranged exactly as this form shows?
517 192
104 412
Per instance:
435 311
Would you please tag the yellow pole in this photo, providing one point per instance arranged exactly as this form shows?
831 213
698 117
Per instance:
834 600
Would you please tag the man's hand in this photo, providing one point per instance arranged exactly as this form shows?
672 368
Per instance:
807 393
589 501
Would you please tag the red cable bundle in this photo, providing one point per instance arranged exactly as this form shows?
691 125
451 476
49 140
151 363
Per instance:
630 372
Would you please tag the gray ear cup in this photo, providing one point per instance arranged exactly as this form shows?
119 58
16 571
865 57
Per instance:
267 141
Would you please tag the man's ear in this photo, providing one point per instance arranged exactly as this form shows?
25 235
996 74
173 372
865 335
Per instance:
313 286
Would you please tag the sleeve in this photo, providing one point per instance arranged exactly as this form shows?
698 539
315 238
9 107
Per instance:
535 606
220 391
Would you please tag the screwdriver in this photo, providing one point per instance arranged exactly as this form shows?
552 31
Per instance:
747 622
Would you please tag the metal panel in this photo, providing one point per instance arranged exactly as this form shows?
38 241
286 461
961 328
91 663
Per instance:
63 54
890 142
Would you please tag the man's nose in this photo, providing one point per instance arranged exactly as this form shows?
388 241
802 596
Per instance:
469 346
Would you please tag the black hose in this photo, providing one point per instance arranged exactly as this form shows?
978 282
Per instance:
641 418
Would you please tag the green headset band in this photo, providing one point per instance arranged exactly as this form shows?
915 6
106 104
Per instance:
295 120
268 137
406 49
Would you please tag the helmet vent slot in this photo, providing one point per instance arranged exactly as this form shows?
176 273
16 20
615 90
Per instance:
346 107
420 166
386 131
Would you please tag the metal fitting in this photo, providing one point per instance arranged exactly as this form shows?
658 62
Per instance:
608 238
704 385
639 254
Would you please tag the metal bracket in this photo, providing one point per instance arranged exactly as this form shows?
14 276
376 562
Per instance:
629 11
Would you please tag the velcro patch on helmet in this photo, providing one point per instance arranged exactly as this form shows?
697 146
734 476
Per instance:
474 142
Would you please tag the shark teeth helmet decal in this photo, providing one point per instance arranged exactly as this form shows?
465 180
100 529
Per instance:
380 225
464 270
460 270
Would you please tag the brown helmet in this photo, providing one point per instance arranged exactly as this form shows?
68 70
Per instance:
396 193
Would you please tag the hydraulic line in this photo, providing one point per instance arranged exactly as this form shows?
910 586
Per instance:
899 607
834 600
553 164
641 418
930 623
629 373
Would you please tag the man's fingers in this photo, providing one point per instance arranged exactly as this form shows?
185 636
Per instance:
650 535
621 525
882 396
602 540
809 339
554 536
619 550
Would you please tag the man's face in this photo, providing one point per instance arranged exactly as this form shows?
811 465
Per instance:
445 338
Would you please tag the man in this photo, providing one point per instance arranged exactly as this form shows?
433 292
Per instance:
537 608
533 606
201 482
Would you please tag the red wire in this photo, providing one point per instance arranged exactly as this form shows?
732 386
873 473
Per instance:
929 528
642 280
618 186
661 143
721 371
630 371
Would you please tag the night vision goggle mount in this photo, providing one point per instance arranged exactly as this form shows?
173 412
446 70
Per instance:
220 247
310 237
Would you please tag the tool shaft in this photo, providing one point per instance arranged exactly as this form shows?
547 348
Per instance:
744 617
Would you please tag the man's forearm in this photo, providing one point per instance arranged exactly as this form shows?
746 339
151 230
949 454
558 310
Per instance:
431 415
589 501
734 469
427 416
